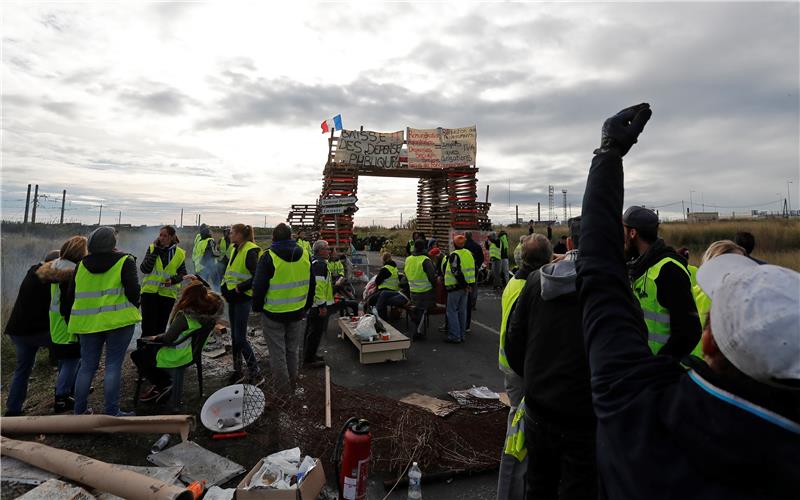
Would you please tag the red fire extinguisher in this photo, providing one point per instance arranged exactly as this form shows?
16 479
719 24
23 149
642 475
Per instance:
351 459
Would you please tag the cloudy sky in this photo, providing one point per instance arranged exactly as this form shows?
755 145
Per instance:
215 108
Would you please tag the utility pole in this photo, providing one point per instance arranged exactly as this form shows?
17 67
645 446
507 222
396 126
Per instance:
119 220
199 218
516 217
100 217
265 222
27 204
538 211
691 202
683 209
181 217
401 220
788 195
703 200
35 204
63 200
487 194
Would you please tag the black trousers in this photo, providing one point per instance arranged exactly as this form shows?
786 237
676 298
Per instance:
561 460
155 313
145 360
316 326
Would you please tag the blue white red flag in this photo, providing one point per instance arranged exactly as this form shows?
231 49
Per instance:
334 123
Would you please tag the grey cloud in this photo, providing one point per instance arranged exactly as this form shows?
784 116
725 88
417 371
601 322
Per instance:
165 101
65 109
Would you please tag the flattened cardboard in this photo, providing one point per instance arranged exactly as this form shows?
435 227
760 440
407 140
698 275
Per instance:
309 489
438 407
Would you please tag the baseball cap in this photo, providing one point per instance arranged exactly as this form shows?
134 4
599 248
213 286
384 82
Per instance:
640 218
755 316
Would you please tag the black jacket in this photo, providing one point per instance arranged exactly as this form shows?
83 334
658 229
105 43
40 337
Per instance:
237 295
97 263
384 273
663 432
476 251
290 252
453 261
674 293
29 317
165 254
544 345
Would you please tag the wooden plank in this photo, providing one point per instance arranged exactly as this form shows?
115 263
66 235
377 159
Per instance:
327 397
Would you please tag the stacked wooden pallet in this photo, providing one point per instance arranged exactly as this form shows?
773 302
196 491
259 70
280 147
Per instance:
433 207
462 192
339 181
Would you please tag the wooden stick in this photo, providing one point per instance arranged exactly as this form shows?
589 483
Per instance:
327 397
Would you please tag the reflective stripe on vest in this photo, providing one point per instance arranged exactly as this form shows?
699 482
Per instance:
237 271
656 316
510 295
288 288
515 435
58 327
323 288
181 353
392 282
153 282
692 274
415 273
494 251
467 263
198 250
100 302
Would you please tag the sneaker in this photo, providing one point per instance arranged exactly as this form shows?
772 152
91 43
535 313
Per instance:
468 330
150 394
121 413
63 404
163 394
10 413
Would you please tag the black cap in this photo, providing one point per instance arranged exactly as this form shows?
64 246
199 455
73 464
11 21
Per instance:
640 218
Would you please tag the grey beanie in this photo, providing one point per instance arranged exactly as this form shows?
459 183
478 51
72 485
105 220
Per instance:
102 240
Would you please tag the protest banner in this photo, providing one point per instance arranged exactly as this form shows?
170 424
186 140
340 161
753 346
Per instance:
441 147
366 148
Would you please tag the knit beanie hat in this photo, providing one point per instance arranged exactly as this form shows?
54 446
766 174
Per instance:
102 240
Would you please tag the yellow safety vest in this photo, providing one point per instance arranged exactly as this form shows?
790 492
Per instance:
467 268
225 249
510 295
494 251
323 289
236 272
288 288
100 302
415 273
656 316
703 303
515 436
304 245
153 282
198 250
181 353
58 327
392 282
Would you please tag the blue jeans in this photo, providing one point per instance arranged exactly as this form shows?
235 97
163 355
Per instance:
26 348
239 313
116 342
457 303
388 298
67 372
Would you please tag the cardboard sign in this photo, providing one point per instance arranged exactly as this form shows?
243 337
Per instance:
366 148
442 147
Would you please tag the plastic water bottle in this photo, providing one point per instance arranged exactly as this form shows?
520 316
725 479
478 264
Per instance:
414 482
160 444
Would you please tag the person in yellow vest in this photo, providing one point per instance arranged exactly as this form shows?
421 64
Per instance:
197 308
420 272
321 308
101 306
65 347
225 249
502 237
662 284
283 289
492 244
163 269
387 282
303 242
459 278
237 288
204 255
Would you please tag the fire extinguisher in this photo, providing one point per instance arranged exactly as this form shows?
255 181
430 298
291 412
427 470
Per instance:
351 459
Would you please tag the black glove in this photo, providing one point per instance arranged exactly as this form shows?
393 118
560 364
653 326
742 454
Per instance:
620 132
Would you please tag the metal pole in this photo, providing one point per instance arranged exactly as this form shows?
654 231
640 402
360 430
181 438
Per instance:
788 195
100 217
691 202
516 217
683 209
27 204
63 200
181 217
119 220
35 204
487 194
538 211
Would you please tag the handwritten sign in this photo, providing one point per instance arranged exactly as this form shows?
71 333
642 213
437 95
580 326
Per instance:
369 149
442 147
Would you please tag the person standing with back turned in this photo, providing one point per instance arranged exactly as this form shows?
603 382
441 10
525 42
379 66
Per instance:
730 426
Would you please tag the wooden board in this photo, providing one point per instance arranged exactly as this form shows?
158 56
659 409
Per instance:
438 407
378 351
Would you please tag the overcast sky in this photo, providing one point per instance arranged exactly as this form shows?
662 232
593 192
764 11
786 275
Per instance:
215 108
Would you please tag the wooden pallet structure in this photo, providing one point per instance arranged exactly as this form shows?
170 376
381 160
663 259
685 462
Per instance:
446 199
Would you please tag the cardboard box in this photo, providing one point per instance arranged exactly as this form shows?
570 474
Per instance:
308 490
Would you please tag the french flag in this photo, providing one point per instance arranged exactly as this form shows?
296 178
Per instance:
334 123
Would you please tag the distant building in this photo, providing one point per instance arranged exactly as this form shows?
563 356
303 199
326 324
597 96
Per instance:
702 217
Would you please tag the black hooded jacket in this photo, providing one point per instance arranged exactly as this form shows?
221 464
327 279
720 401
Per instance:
97 263
289 251
674 293
663 432
29 316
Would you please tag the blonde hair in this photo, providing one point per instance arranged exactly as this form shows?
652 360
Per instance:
245 230
722 247
74 249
